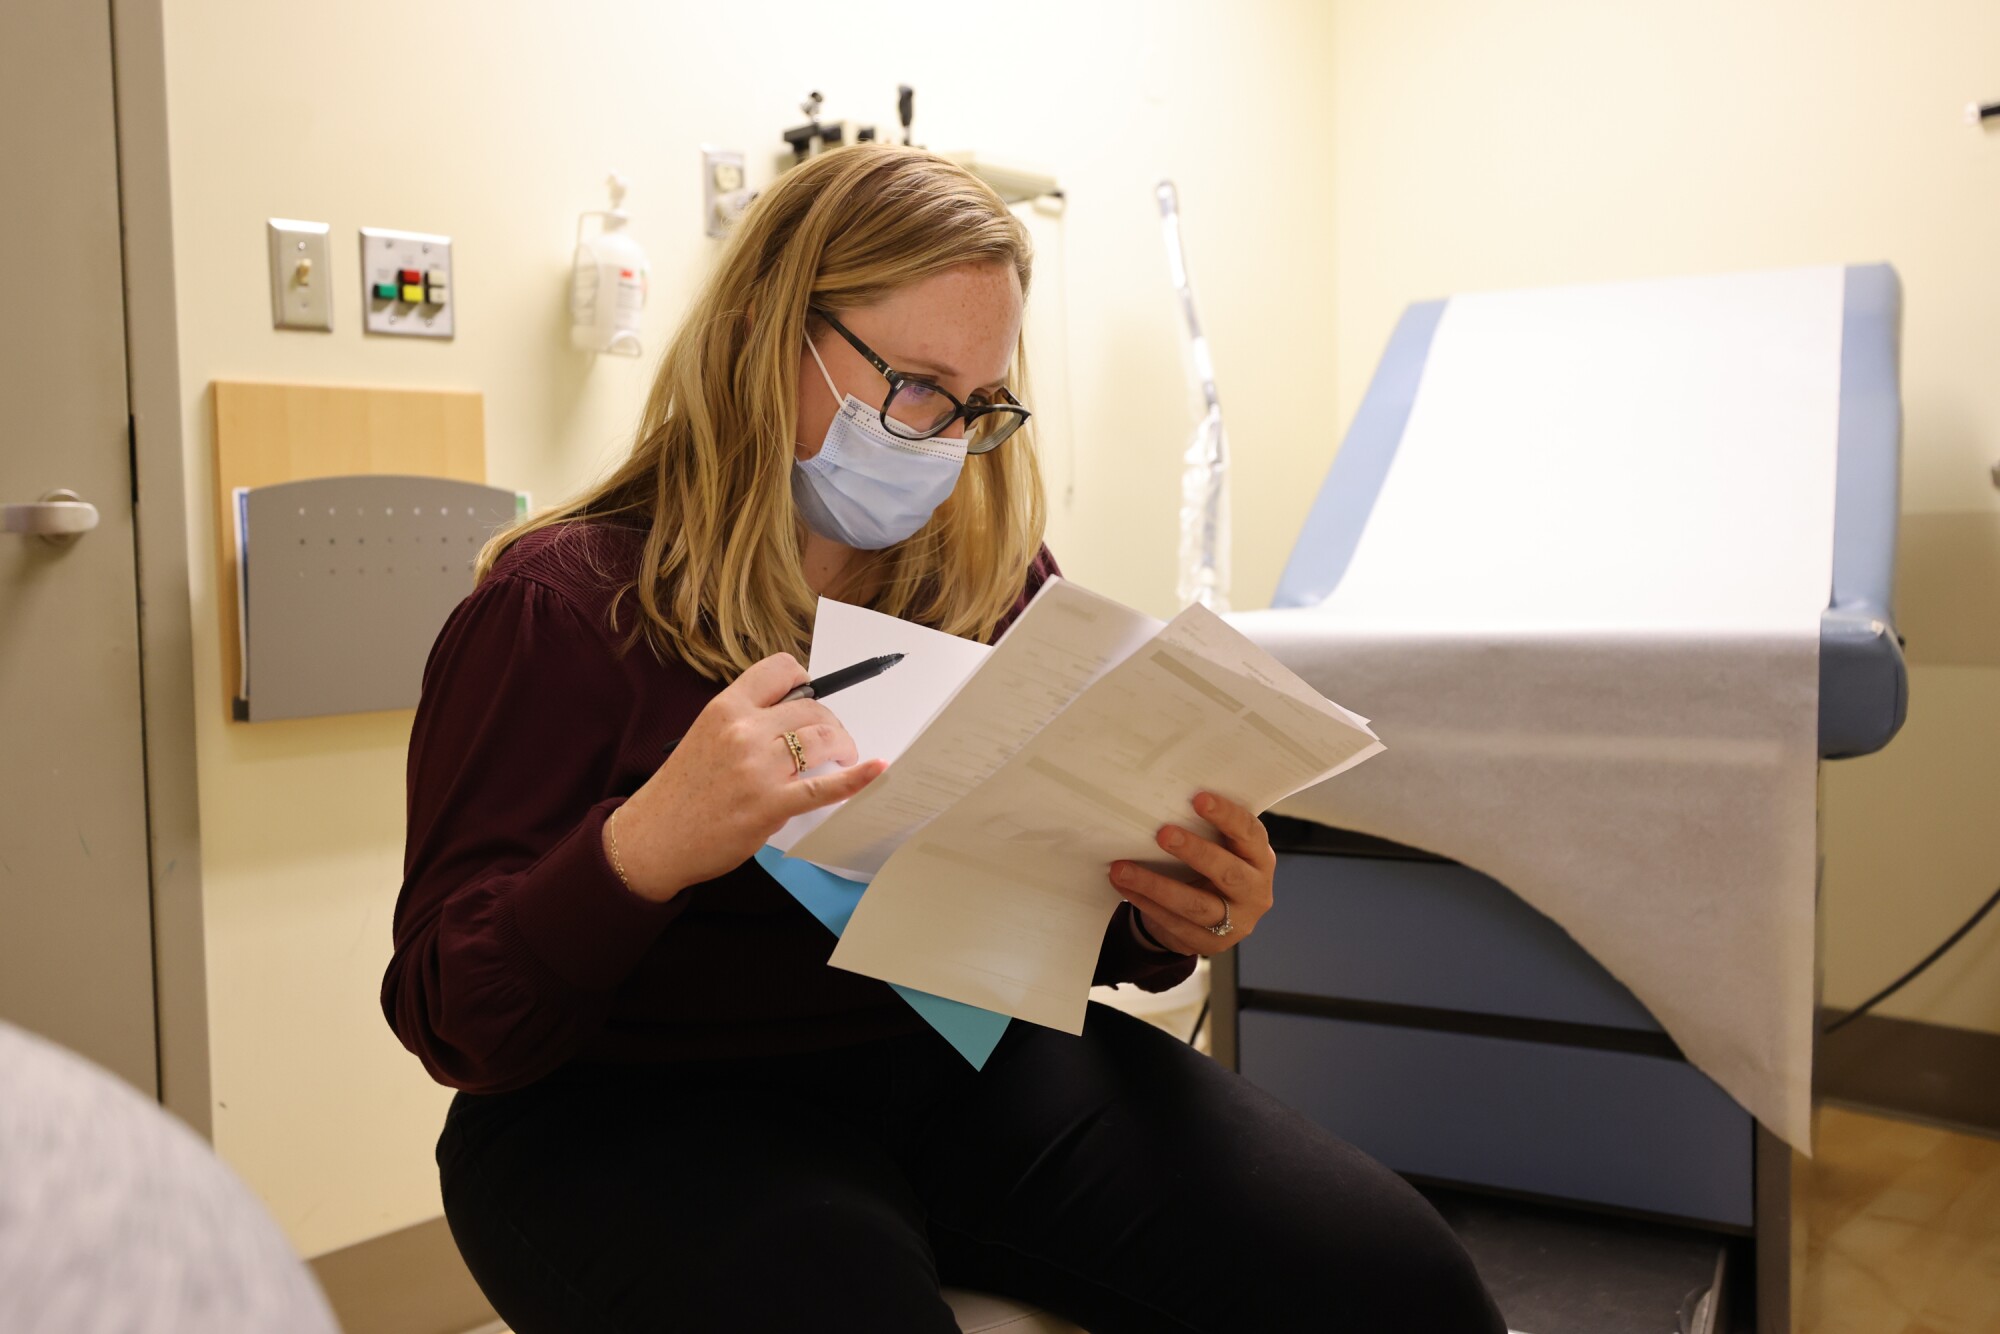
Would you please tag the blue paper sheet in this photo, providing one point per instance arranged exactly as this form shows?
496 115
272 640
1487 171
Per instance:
831 899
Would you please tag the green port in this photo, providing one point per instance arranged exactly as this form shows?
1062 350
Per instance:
385 291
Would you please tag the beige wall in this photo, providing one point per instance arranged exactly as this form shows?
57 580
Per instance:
500 133
1486 145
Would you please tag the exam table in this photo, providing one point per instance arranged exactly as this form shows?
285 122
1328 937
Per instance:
1603 1182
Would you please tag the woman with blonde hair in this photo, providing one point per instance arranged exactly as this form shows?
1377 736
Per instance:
673 1113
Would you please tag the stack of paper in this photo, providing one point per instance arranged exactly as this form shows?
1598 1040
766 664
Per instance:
1019 773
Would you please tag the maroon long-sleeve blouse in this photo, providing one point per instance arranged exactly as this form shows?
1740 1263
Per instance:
517 948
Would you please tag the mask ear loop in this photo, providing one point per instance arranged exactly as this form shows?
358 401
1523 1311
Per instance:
839 399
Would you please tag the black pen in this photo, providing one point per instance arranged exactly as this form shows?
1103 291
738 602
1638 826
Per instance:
826 685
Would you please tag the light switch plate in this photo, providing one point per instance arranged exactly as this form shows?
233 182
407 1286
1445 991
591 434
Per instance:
301 274
385 251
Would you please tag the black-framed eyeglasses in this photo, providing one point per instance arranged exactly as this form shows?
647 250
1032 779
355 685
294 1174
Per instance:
917 407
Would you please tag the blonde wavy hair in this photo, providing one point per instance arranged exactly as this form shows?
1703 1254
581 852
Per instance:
720 583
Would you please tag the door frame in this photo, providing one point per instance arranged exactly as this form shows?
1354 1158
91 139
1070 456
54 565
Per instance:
159 501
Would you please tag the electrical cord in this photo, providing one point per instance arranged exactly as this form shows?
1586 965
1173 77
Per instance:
1910 976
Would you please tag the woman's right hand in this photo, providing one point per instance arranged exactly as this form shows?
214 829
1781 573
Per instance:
730 784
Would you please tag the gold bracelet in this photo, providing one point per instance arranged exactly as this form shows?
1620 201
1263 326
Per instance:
611 843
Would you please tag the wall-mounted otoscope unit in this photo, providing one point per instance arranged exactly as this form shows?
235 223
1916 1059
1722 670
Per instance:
832 134
1014 184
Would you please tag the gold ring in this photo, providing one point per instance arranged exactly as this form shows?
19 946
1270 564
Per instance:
798 752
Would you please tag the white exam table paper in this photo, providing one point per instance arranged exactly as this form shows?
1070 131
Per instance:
1589 592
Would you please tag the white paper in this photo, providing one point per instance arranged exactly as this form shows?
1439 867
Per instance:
1000 899
1589 596
884 713
1065 639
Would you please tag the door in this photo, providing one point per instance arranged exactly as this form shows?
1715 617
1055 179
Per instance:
76 938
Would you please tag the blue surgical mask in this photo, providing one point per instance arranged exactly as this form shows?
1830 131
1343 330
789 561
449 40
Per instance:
866 488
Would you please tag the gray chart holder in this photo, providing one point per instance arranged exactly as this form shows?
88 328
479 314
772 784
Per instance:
344 582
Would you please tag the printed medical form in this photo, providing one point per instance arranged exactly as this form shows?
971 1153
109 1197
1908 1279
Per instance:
1019 773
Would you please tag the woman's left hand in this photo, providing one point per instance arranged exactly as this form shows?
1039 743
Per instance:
1235 882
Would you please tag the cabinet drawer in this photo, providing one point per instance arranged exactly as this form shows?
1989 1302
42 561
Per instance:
1606 1127
1432 934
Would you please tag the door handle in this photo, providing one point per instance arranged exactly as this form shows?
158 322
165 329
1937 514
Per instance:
58 518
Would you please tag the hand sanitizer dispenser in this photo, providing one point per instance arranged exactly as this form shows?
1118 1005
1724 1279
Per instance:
607 290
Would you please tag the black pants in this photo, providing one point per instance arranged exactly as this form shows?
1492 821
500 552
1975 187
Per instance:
1120 1179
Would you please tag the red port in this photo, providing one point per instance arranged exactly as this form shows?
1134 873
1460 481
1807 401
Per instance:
413 275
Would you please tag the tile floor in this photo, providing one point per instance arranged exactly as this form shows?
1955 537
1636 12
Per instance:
1901 1229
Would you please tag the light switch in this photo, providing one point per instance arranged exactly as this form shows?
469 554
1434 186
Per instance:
301 287
396 269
